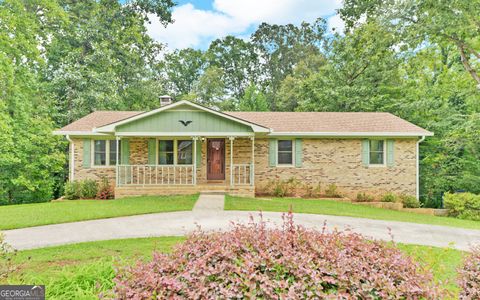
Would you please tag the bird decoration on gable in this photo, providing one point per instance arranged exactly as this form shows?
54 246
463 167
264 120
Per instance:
185 123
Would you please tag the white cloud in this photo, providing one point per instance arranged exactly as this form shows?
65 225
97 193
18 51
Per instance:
194 27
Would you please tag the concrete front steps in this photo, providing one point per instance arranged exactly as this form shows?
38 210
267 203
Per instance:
138 190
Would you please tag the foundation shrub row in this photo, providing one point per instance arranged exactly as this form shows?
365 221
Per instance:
293 187
89 189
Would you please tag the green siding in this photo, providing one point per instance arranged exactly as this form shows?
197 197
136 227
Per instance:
272 152
365 152
87 148
125 159
298 153
168 122
199 153
151 151
390 153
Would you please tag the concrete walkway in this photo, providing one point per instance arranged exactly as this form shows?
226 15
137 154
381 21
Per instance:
181 223
209 203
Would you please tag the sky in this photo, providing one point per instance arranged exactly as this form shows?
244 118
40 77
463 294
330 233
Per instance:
198 22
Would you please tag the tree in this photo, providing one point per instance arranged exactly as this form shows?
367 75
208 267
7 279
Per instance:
361 74
417 22
253 100
103 58
183 68
29 156
210 88
281 47
289 94
237 60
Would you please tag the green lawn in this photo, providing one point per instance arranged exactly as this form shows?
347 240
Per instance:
26 215
330 207
442 262
82 271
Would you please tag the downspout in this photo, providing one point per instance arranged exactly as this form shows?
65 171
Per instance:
72 159
418 166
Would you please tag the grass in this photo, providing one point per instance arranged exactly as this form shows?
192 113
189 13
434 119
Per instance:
82 271
35 214
442 262
337 208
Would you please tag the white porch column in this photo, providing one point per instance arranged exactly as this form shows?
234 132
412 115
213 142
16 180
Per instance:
231 160
117 169
252 167
194 179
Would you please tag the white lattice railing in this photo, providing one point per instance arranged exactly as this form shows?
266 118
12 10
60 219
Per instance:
155 175
242 174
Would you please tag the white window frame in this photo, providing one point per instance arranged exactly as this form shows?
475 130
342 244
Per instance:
107 154
175 151
293 154
384 153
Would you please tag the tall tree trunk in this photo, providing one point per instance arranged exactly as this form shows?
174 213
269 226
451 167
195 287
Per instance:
467 65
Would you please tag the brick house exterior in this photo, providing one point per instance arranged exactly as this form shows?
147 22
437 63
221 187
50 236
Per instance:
358 152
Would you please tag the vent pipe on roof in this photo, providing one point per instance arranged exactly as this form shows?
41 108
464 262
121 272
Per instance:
165 100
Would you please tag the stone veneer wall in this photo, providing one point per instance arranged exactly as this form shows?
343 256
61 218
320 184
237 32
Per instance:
339 161
325 161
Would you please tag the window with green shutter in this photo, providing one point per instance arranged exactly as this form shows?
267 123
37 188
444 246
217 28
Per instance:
378 152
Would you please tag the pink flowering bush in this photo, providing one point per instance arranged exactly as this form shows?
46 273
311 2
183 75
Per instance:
292 262
469 276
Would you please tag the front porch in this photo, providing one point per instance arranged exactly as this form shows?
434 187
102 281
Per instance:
185 165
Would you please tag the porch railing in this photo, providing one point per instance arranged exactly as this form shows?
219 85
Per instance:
155 175
242 174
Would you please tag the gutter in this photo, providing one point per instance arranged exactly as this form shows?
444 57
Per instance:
71 178
418 166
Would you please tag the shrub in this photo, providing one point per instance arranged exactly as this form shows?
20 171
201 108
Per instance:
331 191
89 188
409 201
290 262
73 190
469 276
7 255
389 197
363 197
282 188
313 191
463 205
105 190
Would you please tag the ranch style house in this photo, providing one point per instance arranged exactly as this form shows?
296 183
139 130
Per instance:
185 148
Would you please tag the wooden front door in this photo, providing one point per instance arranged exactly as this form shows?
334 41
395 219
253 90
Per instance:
215 159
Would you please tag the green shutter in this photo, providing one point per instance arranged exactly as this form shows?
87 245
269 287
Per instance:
298 153
151 151
390 154
365 152
272 152
199 153
87 153
125 144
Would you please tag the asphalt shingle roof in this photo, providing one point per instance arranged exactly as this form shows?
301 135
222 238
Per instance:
291 122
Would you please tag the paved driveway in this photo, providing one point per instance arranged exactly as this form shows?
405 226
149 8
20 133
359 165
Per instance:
181 223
